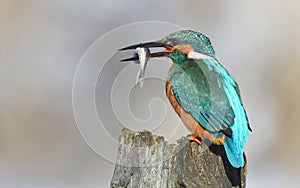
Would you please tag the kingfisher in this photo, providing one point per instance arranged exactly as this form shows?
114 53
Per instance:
202 92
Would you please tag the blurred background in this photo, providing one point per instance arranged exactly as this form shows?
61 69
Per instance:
42 42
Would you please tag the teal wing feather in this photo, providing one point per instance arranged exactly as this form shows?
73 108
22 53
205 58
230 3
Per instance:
200 89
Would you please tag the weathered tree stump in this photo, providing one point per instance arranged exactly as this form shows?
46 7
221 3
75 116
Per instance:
146 160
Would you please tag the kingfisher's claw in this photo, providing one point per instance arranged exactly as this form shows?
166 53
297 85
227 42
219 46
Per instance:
193 138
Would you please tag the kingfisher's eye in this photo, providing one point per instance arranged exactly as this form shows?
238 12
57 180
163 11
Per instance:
172 42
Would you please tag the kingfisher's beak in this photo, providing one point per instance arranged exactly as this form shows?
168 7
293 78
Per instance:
146 45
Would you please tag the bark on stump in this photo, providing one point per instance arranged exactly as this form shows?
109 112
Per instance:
146 160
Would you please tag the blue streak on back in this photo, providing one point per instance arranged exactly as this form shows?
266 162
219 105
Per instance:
234 146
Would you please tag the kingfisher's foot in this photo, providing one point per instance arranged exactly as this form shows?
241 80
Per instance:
193 138
219 140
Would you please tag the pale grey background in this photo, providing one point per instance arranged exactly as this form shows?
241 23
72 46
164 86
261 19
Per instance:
41 43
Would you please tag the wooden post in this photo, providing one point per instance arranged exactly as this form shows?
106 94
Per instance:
146 160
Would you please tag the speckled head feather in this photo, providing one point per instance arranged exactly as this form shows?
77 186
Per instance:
199 42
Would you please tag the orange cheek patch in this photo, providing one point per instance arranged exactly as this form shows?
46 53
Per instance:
185 49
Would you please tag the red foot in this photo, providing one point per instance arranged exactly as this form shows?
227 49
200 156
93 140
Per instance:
193 138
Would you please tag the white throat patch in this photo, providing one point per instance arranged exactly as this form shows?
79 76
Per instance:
196 55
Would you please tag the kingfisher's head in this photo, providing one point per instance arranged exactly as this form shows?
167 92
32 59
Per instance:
179 46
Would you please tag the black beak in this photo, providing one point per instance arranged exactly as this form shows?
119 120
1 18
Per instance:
146 45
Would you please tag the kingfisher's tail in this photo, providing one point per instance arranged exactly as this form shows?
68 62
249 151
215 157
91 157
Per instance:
234 154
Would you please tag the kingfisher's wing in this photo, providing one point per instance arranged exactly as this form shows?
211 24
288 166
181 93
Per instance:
203 88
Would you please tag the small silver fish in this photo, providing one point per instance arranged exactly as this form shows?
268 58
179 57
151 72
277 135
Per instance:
143 55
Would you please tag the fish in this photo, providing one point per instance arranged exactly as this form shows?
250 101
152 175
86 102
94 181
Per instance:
142 56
